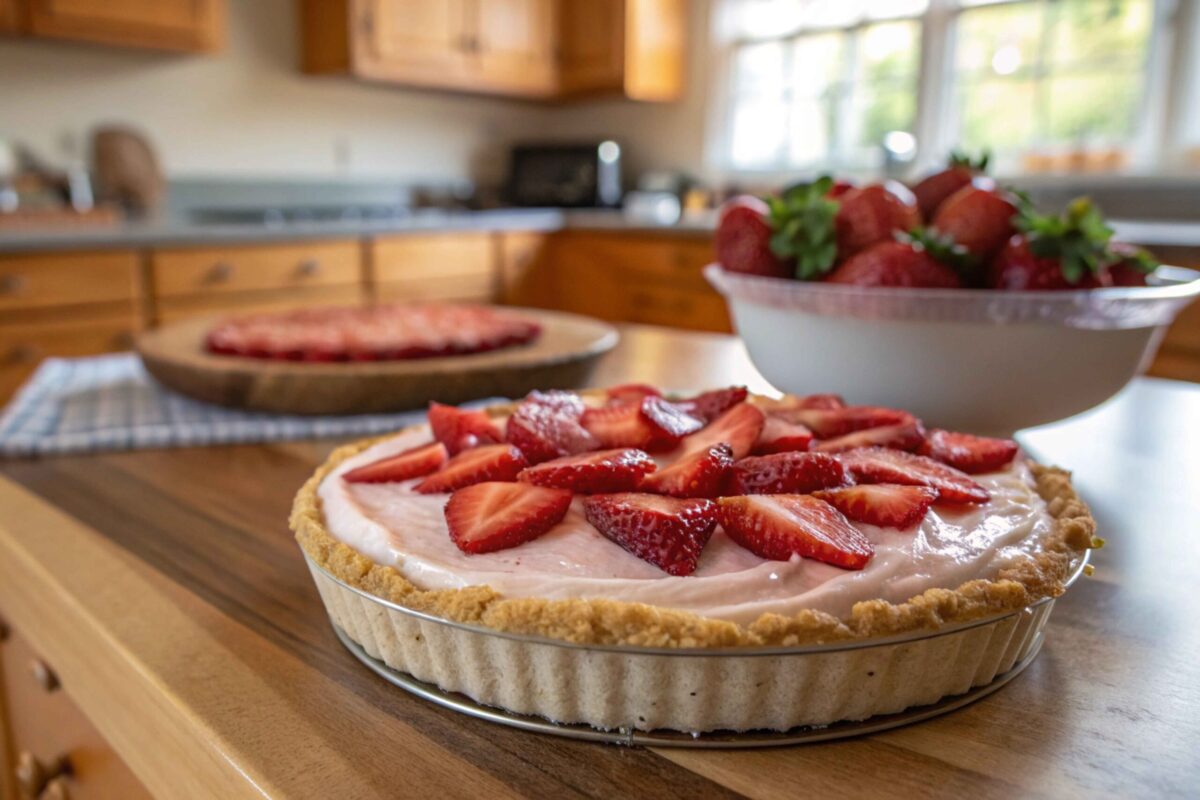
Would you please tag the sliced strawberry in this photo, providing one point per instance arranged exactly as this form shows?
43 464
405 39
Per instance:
710 405
697 474
827 401
591 473
880 465
971 454
547 425
412 463
651 424
668 532
491 462
905 436
780 436
494 516
785 473
888 505
829 422
738 427
630 393
461 429
782 525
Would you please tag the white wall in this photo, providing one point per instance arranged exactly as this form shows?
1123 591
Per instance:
249 112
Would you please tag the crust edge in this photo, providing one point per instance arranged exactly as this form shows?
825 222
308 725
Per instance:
613 622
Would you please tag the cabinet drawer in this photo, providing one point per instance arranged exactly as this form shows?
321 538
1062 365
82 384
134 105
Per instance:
670 260
223 270
174 309
63 279
450 256
22 347
678 308
46 725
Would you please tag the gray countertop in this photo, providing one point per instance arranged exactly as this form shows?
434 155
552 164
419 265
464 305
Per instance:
182 233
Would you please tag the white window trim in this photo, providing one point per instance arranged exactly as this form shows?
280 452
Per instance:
1159 148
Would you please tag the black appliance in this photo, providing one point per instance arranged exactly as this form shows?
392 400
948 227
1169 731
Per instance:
566 175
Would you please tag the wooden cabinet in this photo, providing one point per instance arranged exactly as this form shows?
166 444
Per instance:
629 47
10 22
55 749
440 266
526 48
184 25
624 277
206 280
65 279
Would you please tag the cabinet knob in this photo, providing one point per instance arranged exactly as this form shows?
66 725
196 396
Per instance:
32 775
308 267
219 272
43 675
11 284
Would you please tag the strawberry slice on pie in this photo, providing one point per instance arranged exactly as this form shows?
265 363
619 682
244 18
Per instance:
780 436
784 525
649 423
888 505
710 405
880 465
494 516
905 436
971 454
666 531
412 463
546 425
739 427
493 462
592 473
461 429
785 473
830 422
630 393
697 474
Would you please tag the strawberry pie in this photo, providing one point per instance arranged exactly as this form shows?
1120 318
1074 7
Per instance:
626 518
381 333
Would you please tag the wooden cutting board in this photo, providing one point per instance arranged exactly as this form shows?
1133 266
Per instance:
562 357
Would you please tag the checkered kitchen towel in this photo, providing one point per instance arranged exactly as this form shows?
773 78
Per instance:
81 405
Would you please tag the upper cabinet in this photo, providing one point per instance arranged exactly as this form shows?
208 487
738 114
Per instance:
180 25
9 17
541 49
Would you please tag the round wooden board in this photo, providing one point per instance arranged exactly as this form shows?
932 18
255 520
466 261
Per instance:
562 357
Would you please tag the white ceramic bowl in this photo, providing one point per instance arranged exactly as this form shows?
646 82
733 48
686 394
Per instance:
978 360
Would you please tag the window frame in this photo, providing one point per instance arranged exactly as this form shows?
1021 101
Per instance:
1159 144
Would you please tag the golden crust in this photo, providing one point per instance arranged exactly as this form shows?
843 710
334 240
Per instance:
612 622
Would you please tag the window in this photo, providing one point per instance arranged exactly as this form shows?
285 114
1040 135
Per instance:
1043 84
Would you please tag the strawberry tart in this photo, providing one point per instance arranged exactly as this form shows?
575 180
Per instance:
722 561
381 333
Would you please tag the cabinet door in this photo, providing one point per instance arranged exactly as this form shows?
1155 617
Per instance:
412 41
155 24
592 45
438 266
9 19
514 40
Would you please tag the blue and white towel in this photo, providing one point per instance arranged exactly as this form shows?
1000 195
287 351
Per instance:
80 405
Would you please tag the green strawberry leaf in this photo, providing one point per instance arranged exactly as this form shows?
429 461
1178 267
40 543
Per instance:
1078 238
801 219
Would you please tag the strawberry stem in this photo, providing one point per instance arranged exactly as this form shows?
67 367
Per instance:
1078 238
802 221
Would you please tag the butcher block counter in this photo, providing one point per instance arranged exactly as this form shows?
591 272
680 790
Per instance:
158 597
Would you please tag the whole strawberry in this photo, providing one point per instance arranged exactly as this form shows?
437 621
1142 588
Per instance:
933 190
872 214
743 239
979 217
904 261
1131 264
1070 251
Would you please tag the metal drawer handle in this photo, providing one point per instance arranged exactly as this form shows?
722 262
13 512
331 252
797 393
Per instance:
308 268
43 675
219 272
32 775
12 284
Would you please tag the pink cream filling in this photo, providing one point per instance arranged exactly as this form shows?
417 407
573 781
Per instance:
394 526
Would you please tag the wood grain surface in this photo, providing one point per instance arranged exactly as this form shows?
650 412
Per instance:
166 590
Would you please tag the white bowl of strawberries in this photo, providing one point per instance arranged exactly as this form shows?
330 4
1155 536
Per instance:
990 318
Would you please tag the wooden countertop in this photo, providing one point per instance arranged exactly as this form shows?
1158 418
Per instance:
166 590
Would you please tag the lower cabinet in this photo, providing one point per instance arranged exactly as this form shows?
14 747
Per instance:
438 266
54 751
